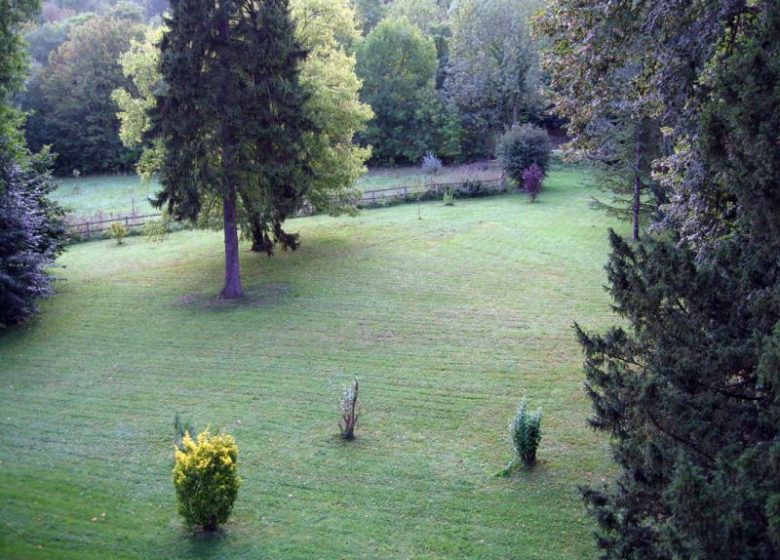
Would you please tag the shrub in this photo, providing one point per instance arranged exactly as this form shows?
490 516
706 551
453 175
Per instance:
431 165
350 411
206 479
118 231
449 197
521 147
532 179
157 230
526 432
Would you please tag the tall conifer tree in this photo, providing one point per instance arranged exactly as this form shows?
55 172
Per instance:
232 118
688 387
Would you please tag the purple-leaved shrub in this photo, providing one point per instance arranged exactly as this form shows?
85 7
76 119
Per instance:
532 181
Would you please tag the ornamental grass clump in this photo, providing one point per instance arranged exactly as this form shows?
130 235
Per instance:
206 479
350 411
526 432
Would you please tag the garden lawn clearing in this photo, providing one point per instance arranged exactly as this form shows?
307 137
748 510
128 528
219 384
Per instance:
447 320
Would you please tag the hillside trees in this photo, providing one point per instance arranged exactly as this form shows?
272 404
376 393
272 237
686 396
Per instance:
492 76
71 98
688 390
231 118
398 64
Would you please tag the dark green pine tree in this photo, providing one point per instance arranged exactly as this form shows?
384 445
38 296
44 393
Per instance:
232 119
689 391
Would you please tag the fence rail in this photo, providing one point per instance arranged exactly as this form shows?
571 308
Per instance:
477 187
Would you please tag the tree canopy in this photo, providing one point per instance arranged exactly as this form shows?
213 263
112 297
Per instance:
71 98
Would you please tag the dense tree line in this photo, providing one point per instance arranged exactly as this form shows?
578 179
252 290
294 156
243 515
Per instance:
689 389
463 73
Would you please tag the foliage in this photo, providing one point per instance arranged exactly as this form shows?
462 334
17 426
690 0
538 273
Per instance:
526 432
521 147
182 428
492 76
206 479
448 198
688 390
47 38
328 31
156 231
397 64
256 151
71 100
431 165
369 13
532 181
118 231
350 411
599 62
31 234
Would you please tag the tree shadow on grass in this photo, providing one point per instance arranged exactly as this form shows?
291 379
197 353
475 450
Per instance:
266 294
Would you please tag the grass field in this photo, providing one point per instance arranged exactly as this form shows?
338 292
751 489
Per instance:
105 196
447 321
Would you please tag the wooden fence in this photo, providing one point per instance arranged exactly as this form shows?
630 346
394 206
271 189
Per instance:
90 228
86 229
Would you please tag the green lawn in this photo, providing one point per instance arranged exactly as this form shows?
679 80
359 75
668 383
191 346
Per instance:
446 320
104 196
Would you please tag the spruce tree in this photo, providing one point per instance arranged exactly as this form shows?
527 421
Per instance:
232 119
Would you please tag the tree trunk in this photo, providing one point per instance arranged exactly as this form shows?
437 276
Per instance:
637 181
232 289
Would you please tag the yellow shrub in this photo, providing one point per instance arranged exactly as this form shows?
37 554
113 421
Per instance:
206 479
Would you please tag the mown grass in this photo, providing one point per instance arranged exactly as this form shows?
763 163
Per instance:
446 320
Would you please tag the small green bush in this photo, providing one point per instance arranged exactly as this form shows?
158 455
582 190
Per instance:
206 479
449 197
118 231
526 432
157 230
521 147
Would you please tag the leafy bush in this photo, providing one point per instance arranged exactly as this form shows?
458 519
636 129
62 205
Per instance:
526 432
521 147
449 197
118 231
350 411
532 179
157 230
206 479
